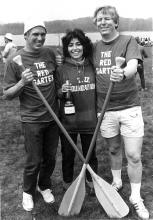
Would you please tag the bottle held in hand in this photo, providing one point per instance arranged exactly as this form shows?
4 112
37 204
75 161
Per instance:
69 107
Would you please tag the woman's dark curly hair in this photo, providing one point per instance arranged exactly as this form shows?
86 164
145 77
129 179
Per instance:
84 40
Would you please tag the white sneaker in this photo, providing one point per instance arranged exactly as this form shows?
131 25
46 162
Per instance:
27 202
47 195
117 186
140 209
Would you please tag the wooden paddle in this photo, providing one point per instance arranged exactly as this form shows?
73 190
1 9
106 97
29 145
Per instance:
119 208
71 203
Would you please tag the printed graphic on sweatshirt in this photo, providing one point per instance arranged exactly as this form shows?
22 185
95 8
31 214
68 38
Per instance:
83 85
43 76
104 63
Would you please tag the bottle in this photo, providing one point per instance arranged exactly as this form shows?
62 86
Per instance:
69 107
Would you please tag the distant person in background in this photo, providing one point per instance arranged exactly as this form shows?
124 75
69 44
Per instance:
10 47
140 68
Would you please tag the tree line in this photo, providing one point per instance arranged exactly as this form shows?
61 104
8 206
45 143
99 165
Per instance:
61 26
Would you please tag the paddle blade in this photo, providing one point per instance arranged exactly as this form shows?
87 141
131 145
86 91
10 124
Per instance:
79 198
109 198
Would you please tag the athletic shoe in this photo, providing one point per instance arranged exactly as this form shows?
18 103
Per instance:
117 186
47 195
140 209
27 202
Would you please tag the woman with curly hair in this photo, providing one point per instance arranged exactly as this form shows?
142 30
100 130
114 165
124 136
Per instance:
79 72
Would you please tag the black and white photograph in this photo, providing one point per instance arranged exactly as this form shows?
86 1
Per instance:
76 110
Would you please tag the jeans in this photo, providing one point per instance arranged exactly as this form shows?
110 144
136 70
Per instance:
41 142
68 155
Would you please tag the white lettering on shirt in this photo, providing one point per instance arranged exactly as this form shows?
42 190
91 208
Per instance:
104 63
43 74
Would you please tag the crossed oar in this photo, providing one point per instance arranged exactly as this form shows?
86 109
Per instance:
73 199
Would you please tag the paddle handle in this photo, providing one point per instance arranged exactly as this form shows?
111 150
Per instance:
99 122
119 62
57 120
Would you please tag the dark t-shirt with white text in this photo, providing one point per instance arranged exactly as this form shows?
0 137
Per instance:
43 65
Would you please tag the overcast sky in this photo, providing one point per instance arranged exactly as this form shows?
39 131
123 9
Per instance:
48 10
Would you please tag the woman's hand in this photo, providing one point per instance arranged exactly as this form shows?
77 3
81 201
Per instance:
66 87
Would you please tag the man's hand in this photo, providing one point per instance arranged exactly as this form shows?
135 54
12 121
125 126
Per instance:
117 74
26 77
59 57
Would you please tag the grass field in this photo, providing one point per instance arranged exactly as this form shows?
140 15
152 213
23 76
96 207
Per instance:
12 163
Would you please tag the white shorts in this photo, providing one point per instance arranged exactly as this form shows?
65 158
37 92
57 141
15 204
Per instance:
127 122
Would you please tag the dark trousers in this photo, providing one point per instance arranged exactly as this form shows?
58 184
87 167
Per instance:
68 155
41 141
